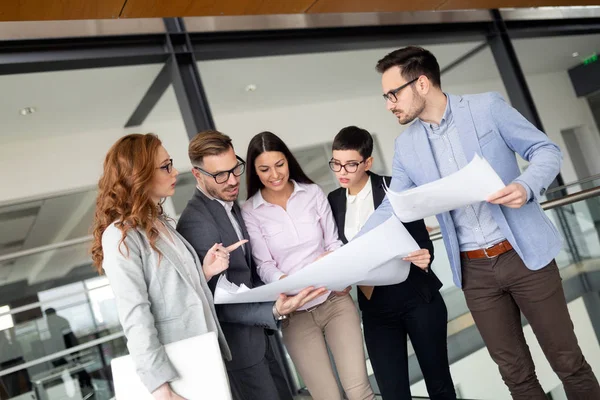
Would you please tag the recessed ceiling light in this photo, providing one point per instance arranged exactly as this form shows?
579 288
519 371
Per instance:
251 88
27 110
575 54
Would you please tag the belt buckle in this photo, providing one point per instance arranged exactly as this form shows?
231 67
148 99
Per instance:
486 254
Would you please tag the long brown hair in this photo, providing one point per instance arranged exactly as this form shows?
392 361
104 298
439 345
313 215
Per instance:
123 191
268 141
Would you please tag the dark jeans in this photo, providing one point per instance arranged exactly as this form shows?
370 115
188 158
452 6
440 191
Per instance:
264 381
386 332
497 291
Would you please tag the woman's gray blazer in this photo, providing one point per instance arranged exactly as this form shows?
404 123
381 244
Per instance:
157 303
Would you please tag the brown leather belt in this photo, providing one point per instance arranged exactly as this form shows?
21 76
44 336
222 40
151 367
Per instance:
490 252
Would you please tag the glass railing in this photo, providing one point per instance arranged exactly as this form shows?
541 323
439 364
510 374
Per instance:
59 328
55 353
475 375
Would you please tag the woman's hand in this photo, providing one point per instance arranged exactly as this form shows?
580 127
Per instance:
164 392
421 258
217 259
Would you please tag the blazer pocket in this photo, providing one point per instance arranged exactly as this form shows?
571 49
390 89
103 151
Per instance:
487 138
169 330
426 284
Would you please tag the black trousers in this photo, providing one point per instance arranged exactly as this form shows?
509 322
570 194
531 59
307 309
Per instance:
386 332
263 381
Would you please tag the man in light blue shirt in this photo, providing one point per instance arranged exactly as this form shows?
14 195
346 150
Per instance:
501 251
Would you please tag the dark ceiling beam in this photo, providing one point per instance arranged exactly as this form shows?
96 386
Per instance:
27 56
226 45
158 87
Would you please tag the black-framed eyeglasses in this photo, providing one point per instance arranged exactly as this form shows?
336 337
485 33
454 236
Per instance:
167 167
392 94
223 176
350 167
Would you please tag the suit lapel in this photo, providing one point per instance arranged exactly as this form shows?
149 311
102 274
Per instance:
341 212
238 217
169 253
220 218
378 189
422 147
465 126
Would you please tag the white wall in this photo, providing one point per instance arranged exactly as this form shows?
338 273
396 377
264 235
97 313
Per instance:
56 164
477 375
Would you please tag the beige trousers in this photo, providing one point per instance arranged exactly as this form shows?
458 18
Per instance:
337 322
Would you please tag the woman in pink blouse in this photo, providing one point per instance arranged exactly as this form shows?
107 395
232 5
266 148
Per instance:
290 224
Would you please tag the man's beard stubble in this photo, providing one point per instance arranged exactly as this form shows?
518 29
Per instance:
220 194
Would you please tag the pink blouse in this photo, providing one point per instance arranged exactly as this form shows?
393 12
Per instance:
285 241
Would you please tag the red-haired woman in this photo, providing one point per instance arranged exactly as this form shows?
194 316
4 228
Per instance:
158 281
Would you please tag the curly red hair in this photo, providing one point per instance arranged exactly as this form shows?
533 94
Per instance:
123 191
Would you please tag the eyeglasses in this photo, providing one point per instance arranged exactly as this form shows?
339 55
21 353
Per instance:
167 167
223 176
392 94
349 167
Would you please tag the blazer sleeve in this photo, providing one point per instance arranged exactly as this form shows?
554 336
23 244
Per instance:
418 231
400 183
531 144
124 270
251 314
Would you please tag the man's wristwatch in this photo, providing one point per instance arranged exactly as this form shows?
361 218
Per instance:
277 316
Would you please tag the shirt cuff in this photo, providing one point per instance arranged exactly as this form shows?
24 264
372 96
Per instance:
527 189
275 276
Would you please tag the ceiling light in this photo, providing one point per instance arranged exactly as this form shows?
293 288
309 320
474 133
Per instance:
575 54
27 110
250 88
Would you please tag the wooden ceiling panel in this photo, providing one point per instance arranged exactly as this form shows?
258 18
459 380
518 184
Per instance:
348 6
489 4
181 8
47 10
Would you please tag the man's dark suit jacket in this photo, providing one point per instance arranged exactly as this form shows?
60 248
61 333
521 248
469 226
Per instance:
426 284
203 223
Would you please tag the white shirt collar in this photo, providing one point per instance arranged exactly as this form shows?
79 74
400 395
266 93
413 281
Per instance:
258 200
363 194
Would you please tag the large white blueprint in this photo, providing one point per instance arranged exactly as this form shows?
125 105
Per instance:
372 259
469 185
375 257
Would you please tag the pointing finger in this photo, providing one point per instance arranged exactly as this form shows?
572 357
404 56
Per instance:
236 245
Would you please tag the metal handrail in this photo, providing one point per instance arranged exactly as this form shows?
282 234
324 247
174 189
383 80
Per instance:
571 198
579 182
547 205
47 247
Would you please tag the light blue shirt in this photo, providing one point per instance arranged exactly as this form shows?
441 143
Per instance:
475 226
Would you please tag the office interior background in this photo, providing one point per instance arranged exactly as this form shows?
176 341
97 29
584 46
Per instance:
73 80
